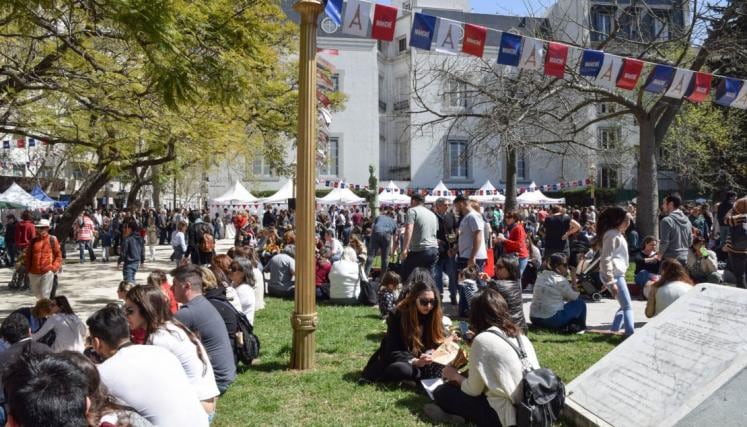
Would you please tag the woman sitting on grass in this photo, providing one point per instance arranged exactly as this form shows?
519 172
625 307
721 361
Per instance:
673 283
414 329
555 304
486 397
508 284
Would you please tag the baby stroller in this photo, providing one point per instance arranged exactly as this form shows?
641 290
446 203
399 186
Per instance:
4 256
587 274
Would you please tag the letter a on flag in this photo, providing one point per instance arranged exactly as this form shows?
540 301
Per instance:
449 36
611 66
510 49
385 17
333 9
659 79
680 84
474 40
700 87
357 18
727 91
421 35
532 54
629 74
557 56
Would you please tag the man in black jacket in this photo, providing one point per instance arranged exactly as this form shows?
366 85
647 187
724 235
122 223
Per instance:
446 236
131 254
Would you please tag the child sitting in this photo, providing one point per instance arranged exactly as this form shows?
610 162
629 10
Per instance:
388 289
468 287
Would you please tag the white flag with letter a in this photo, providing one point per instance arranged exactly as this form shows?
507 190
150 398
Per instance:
357 18
449 36
532 54
607 77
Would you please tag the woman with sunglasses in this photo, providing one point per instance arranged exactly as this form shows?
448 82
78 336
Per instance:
508 284
242 277
146 307
414 329
69 330
487 396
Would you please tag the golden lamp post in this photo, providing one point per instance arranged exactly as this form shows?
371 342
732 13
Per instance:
304 319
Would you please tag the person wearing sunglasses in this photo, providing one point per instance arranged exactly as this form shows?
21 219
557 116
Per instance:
242 279
414 330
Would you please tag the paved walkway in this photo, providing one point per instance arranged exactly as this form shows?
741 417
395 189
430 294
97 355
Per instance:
90 286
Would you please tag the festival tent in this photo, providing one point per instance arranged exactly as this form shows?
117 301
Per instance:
18 196
281 196
438 192
39 194
341 196
536 198
235 195
488 194
392 195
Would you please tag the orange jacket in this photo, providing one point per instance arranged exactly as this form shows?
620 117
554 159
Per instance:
43 255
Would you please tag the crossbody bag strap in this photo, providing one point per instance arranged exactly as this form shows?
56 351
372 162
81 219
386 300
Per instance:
519 350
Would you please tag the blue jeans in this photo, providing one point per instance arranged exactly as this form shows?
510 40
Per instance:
572 312
461 264
378 243
426 259
625 314
522 265
448 266
84 245
129 270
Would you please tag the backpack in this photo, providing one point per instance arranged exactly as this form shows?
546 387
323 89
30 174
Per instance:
246 343
207 244
543 395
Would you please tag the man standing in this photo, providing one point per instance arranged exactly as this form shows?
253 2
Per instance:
675 231
199 315
558 228
131 253
723 208
421 243
382 240
25 232
471 245
43 260
446 236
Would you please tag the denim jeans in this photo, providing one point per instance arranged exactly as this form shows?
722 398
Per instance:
572 312
84 245
522 265
446 266
461 264
378 243
129 270
624 315
426 259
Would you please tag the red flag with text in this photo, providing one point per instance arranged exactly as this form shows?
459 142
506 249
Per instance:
629 73
701 87
473 42
557 56
385 17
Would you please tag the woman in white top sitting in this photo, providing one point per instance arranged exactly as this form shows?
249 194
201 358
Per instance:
344 278
555 304
241 273
673 283
487 396
613 263
69 330
146 307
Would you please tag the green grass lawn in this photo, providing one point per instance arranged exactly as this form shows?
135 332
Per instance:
270 394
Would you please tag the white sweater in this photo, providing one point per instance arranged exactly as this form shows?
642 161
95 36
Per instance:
614 257
496 371
70 332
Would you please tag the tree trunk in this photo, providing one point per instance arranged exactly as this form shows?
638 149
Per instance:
156 183
132 200
78 203
510 179
647 218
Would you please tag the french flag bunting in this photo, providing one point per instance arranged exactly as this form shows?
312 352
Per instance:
532 54
700 87
659 79
510 49
384 20
741 101
555 60
680 84
727 91
448 38
591 63
423 27
629 74
611 66
357 18
333 9
473 42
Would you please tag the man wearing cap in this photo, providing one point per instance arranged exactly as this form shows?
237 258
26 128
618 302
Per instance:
421 242
43 260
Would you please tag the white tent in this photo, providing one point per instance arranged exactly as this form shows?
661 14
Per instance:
282 195
17 195
236 194
438 192
392 195
341 196
536 198
488 194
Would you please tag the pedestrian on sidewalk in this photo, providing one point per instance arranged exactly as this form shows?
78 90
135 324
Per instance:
613 263
84 235
131 253
43 260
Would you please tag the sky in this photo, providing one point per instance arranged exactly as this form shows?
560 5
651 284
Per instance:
511 7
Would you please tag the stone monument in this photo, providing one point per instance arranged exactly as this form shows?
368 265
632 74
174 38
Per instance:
687 367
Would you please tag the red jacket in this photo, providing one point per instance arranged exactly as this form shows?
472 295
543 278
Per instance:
25 232
517 242
43 255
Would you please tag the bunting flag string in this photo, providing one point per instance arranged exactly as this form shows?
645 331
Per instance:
552 58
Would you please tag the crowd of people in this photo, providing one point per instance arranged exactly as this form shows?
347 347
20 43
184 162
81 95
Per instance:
181 337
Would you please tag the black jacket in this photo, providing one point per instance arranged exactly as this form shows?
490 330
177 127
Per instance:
217 298
511 292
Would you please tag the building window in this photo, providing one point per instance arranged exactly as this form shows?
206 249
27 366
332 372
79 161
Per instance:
521 165
660 26
606 108
331 164
458 161
335 82
403 87
601 23
402 44
261 167
18 170
607 177
609 138
455 94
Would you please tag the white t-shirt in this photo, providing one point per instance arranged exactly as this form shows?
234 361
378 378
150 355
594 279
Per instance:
175 340
344 280
246 298
669 293
471 223
70 332
151 381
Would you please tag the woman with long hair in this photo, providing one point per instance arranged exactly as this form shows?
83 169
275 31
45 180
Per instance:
614 261
487 396
146 307
508 284
159 279
414 329
69 330
242 279
516 242
221 269
674 282
259 279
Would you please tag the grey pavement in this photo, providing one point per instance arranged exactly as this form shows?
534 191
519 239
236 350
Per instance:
90 286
